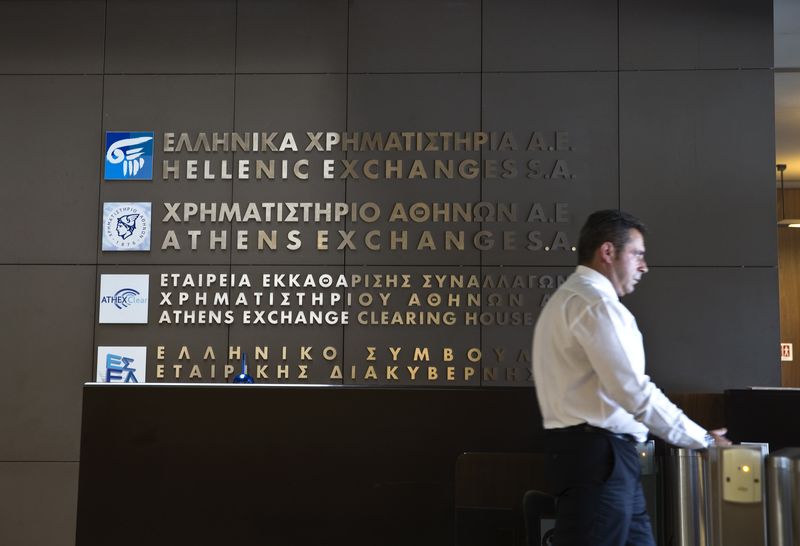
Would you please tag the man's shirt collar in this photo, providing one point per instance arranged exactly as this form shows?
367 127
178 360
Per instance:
597 279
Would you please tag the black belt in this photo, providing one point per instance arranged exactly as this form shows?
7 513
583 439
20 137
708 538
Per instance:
587 428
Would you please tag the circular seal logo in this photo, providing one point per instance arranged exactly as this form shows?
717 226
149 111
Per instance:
126 226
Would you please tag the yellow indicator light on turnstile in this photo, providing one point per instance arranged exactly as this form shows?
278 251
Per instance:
745 468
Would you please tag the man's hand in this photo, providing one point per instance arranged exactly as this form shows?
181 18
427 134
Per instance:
719 436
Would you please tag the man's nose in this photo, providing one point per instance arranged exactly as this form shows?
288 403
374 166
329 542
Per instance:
643 266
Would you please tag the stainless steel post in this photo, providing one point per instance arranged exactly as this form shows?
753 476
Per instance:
686 485
783 497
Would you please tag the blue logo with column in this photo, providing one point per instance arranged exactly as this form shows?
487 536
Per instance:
129 155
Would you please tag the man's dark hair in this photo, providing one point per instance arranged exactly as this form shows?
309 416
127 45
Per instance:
606 225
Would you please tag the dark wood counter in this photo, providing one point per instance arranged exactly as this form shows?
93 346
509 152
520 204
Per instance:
283 465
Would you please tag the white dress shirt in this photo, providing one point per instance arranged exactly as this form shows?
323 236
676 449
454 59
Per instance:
588 366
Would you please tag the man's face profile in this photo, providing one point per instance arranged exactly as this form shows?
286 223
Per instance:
629 264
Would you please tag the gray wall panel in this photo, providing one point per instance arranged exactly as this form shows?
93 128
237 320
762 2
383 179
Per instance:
50 161
51 37
415 36
707 34
584 105
694 148
191 104
153 37
297 104
50 339
561 36
419 102
39 503
689 151
289 36
709 329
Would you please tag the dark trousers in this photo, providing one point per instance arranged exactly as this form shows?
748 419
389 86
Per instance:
595 478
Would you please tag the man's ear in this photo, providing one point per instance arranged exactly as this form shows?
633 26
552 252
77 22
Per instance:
607 252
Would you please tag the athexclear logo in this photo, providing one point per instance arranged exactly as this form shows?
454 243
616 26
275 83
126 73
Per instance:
129 155
124 299
126 227
121 364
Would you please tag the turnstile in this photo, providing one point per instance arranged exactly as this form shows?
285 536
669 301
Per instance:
716 496
783 500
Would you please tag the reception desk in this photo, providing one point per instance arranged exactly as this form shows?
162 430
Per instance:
285 465
307 465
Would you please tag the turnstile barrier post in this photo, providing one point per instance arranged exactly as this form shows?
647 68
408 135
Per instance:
686 502
783 497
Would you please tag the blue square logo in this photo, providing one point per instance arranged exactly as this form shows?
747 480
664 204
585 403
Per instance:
129 156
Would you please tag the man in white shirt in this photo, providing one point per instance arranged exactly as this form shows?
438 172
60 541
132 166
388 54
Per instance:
595 399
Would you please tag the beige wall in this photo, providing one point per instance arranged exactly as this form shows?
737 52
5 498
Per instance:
789 283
